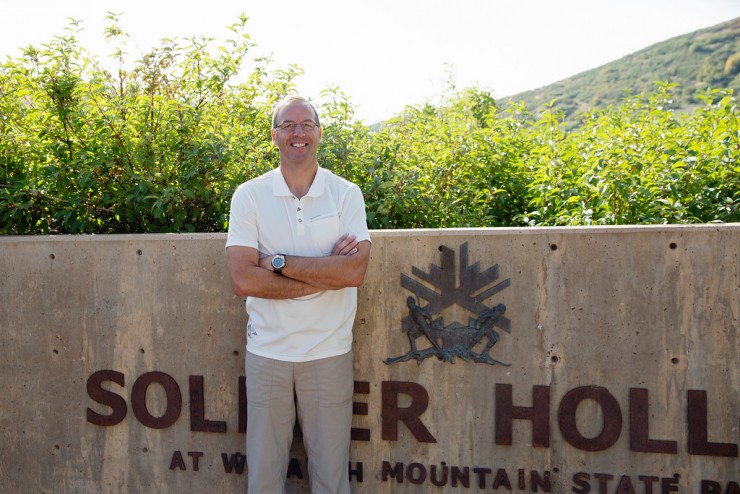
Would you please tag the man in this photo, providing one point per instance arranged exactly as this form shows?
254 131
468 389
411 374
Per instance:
298 246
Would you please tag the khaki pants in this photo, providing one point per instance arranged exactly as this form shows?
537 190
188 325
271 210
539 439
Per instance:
324 408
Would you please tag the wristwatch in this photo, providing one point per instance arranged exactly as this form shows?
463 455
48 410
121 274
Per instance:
278 263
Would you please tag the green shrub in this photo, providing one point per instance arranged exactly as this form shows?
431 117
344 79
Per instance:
161 146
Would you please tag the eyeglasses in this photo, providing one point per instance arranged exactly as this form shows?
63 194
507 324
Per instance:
306 125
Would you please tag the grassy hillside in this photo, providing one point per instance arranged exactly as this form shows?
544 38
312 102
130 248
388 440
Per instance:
706 58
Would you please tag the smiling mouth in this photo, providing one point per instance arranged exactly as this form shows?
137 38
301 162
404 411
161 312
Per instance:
299 145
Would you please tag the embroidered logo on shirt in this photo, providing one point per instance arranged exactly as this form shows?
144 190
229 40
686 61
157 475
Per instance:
251 331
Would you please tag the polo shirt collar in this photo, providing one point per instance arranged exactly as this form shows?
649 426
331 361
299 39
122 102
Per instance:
280 188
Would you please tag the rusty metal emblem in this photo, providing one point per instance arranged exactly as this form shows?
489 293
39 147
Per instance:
471 342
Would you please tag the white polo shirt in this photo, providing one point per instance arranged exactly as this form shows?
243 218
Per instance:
266 216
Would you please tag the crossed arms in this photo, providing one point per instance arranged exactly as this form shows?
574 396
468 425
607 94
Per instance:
252 275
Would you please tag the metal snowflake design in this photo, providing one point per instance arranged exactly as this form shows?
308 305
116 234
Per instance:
473 290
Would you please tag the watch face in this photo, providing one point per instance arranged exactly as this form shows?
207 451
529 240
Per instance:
278 262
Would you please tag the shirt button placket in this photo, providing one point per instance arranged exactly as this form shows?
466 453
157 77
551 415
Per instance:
299 217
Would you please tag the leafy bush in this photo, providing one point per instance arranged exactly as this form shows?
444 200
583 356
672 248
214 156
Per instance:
639 164
158 147
161 146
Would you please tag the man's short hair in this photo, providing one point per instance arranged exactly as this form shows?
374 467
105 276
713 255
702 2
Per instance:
291 99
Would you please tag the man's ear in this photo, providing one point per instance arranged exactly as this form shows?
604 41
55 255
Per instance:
272 133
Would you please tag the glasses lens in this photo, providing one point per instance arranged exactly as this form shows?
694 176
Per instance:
308 125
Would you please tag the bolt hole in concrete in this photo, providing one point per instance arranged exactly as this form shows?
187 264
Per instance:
673 245
55 351
674 360
141 350
52 256
553 247
554 359
236 353
139 252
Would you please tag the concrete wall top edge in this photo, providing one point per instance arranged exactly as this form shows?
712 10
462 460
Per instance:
726 227
113 236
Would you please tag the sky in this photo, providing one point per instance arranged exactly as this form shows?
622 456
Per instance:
385 54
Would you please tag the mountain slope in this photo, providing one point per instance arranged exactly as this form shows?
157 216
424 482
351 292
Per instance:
706 58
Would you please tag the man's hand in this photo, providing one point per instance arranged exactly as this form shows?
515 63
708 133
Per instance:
345 246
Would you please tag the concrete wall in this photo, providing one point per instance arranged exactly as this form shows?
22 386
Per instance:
618 363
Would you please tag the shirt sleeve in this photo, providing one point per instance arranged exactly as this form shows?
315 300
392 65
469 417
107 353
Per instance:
353 219
243 219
